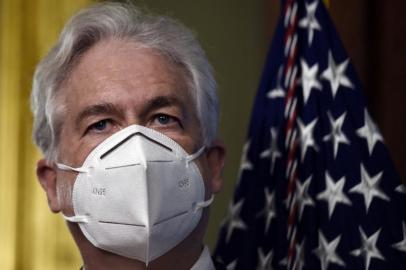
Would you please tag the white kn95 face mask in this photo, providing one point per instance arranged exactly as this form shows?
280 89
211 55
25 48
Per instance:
138 194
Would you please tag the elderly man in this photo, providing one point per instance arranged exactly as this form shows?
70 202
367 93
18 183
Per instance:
126 115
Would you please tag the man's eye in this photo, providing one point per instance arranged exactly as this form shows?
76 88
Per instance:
99 126
164 119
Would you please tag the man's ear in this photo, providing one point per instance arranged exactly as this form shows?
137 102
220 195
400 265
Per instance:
216 155
46 174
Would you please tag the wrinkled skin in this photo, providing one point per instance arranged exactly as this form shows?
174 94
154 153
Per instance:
113 85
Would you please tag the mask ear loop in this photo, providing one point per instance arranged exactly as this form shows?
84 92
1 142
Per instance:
64 167
195 155
77 219
200 205
73 219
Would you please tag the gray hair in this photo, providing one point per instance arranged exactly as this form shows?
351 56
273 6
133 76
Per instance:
122 21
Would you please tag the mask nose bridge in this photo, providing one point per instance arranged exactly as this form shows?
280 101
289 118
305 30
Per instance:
117 145
135 134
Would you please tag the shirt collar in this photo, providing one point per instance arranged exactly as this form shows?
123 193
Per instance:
204 262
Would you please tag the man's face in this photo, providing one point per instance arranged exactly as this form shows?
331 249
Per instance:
116 84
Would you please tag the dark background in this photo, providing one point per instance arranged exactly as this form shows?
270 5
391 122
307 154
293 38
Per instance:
236 35
374 34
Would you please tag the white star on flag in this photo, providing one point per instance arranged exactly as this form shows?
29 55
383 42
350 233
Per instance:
309 79
369 188
245 163
368 248
283 262
269 210
273 151
335 74
334 194
310 22
369 132
336 135
401 246
302 195
306 137
326 252
299 262
233 219
277 92
231 265
401 189
264 261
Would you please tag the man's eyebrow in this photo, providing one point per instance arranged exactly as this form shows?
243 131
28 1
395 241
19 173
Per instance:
97 109
160 102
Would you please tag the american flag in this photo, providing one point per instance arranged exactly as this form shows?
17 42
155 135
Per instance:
317 188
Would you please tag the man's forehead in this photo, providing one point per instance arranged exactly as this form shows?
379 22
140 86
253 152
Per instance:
137 73
121 59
